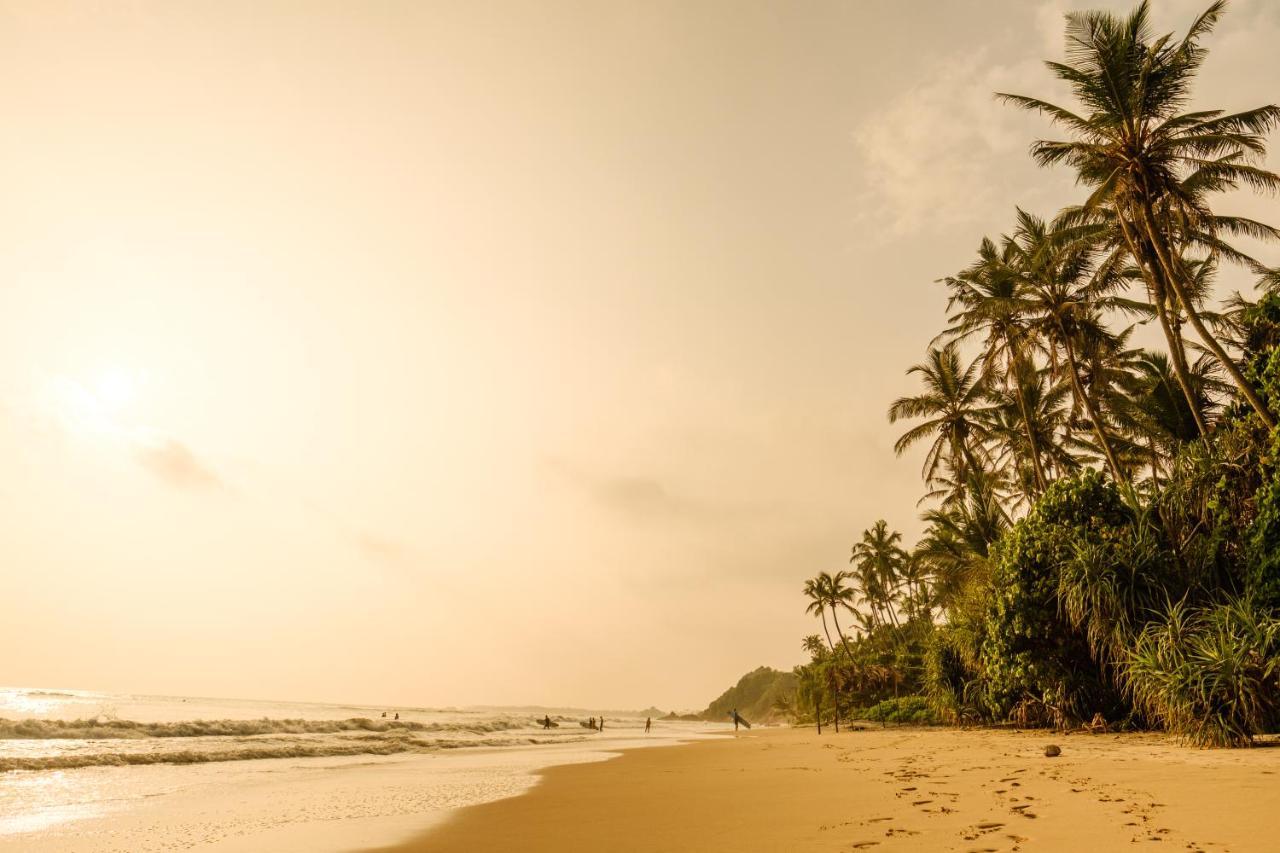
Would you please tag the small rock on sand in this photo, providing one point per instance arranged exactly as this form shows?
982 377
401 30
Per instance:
1052 751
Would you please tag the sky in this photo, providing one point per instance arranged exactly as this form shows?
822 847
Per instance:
493 353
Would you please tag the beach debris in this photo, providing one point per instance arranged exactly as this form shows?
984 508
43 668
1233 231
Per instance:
1052 751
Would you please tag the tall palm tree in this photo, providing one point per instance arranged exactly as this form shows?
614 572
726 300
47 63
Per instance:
953 405
839 596
815 591
1154 164
829 593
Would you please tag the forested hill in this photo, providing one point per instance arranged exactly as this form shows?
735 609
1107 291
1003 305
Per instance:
754 696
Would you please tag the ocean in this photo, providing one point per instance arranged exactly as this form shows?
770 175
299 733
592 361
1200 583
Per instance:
88 771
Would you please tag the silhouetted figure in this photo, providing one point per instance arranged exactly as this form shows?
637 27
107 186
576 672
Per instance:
546 723
397 715
648 721
384 715
735 719
602 723
592 721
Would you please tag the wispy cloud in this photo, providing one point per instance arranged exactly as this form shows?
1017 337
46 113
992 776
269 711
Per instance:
380 549
939 154
636 496
173 463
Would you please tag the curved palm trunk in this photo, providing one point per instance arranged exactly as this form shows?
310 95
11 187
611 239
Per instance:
1094 417
844 642
1193 316
1156 290
826 630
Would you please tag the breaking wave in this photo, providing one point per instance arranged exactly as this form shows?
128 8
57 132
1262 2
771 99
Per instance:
369 745
104 729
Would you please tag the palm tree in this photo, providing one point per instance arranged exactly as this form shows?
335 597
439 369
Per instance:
958 540
1065 294
815 591
1153 164
1030 410
953 403
1101 227
839 597
1153 409
878 558
828 592
991 304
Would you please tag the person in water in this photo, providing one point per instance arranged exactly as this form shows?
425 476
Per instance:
648 721
397 715
546 722
591 723
601 722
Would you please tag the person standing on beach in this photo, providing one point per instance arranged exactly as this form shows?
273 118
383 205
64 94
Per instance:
648 721
602 722
735 719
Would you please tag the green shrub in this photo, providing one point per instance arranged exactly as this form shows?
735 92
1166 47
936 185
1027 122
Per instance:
1036 666
913 710
1210 675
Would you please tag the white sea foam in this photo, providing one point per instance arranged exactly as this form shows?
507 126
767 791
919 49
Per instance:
102 772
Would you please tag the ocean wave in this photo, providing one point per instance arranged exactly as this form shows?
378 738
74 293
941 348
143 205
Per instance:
391 745
105 729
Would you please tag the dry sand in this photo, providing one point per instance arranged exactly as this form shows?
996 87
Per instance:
890 790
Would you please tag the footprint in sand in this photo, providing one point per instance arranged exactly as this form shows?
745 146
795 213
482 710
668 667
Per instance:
860 845
878 819
921 802
980 829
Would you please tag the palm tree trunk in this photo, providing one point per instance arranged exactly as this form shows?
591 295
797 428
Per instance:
827 630
1156 290
1041 482
843 641
1078 386
1175 281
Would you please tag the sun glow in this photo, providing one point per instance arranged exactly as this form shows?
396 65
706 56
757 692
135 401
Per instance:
116 388
97 407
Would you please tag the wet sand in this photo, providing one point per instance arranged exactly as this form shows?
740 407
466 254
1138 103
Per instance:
889 790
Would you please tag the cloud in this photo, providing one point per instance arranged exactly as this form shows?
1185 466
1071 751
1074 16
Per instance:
939 154
175 464
378 549
945 152
626 494
636 496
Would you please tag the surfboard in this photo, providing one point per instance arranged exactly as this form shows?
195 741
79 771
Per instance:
738 718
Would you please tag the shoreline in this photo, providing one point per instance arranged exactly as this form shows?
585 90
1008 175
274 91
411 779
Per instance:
884 790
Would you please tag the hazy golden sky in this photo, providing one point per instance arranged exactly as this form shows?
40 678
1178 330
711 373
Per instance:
467 352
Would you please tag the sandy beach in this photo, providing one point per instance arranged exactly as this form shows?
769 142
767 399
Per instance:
886 790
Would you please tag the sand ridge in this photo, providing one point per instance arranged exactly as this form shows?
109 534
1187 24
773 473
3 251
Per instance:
977 791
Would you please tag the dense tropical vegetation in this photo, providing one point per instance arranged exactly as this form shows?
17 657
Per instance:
1102 531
